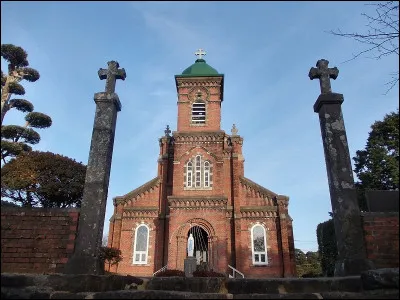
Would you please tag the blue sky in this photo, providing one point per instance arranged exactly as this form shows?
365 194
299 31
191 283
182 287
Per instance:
265 50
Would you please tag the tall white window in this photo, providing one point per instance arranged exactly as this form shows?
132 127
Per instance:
198 171
198 113
198 174
141 248
189 174
206 174
259 245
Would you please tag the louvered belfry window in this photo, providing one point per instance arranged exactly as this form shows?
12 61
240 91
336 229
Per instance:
199 113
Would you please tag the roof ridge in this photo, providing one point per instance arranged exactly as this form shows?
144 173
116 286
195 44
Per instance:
256 186
141 189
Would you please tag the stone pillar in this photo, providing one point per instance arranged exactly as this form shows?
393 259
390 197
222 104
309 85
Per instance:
85 259
346 213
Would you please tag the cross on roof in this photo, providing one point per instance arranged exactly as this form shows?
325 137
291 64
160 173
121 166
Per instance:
111 75
234 130
200 52
167 131
323 73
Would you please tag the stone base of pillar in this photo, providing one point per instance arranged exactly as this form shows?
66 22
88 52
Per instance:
190 264
84 264
350 267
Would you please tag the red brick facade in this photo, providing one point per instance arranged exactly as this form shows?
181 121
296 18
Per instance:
36 240
381 236
226 206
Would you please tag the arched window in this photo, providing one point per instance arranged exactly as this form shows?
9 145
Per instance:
259 245
198 113
189 174
141 248
206 174
198 174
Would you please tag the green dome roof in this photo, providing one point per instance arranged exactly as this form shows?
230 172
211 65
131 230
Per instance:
200 68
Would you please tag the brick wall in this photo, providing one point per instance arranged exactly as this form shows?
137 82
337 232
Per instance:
381 235
37 240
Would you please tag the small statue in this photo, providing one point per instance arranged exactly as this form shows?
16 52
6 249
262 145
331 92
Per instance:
190 245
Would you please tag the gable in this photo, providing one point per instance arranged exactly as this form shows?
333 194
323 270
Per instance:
146 188
258 189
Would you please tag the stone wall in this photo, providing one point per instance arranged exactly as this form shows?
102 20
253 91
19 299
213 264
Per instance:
381 235
37 240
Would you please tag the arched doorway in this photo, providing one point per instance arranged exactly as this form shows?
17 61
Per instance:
201 251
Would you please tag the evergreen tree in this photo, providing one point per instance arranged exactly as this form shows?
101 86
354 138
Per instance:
43 179
377 166
14 138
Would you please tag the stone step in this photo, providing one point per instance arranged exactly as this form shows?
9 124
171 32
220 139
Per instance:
383 279
259 286
102 283
48 293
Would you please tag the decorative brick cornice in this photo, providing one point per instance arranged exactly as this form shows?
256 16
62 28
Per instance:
258 214
258 208
147 187
197 202
115 217
202 137
140 212
199 81
262 190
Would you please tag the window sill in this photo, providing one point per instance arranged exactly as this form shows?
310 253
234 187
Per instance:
259 265
198 189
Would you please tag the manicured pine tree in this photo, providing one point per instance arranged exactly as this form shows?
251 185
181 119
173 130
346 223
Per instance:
14 138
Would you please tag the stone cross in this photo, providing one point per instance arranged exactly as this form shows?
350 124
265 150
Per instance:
351 259
234 130
167 131
323 73
200 52
86 258
111 75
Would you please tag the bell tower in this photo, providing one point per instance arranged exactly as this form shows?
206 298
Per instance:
200 94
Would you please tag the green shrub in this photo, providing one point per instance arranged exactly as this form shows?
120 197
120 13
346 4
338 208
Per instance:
205 273
327 248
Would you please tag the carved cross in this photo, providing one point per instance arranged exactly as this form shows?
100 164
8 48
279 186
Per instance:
167 131
323 73
198 94
200 52
111 75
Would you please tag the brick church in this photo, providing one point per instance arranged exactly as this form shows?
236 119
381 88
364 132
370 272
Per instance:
201 189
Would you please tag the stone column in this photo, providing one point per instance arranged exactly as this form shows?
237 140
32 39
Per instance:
85 259
346 213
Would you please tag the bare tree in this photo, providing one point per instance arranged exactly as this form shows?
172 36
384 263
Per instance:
382 35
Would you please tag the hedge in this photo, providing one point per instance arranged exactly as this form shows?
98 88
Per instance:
327 248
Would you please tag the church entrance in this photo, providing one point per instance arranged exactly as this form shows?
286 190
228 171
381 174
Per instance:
200 245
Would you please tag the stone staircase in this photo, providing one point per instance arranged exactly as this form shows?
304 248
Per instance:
377 284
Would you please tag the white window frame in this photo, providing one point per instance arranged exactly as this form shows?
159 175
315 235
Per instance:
207 168
198 183
196 170
146 252
189 174
254 253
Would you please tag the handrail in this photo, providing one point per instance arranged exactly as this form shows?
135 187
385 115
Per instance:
236 271
160 270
